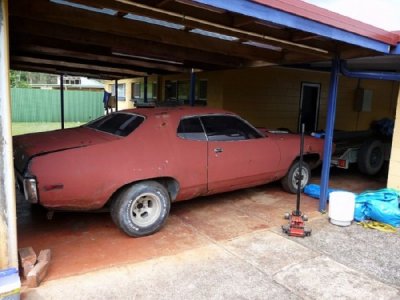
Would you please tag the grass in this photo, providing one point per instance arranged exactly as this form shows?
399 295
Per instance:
22 128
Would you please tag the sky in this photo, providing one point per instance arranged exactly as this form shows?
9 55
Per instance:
384 14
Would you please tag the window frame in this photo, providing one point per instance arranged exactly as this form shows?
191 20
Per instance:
261 134
134 95
120 97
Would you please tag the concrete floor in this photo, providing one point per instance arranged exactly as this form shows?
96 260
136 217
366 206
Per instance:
229 245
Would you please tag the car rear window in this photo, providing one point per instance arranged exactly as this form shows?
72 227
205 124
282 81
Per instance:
120 124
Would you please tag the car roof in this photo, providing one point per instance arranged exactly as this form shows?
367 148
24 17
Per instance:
177 111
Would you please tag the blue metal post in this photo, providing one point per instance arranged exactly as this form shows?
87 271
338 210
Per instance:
330 124
192 87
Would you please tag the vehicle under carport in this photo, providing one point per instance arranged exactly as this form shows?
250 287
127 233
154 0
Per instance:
111 40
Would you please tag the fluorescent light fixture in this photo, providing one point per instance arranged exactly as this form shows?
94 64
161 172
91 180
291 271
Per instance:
105 11
154 21
147 58
214 34
262 45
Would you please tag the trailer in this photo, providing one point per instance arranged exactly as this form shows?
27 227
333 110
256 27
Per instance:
369 149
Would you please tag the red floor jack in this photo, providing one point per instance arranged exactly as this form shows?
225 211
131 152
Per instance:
296 219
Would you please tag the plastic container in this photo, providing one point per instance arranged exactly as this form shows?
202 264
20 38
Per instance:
341 208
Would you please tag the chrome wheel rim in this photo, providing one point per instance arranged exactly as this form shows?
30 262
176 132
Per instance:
304 177
145 209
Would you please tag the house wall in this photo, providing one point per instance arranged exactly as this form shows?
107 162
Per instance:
270 96
394 165
128 101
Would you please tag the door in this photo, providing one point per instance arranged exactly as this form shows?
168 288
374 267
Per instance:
309 106
238 155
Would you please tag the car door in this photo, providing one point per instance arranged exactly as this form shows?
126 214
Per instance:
238 155
190 150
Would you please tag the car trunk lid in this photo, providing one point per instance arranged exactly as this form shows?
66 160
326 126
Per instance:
28 145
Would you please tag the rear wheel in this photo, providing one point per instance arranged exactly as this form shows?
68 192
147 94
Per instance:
141 209
371 157
289 182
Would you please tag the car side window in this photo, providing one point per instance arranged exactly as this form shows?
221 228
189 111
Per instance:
191 129
228 128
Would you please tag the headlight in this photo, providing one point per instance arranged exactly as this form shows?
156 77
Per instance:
30 190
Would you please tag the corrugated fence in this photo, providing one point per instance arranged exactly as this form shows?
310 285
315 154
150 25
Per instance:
35 105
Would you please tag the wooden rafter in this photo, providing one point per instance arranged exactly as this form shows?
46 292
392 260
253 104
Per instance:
82 19
120 44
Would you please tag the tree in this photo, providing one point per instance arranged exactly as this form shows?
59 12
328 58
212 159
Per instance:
19 79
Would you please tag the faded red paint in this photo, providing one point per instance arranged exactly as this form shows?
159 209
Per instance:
81 168
324 16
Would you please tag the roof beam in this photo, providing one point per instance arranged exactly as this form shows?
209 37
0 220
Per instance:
57 71
280 17
95 58
119 44
82 19
73 65
193 22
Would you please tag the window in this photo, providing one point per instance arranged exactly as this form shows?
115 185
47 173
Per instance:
153 89
121 91
120 124
228 128
191 129
171 91
71 80
136 90
180 90
201 90
183 90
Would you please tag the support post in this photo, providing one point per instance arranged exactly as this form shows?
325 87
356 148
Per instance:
330 124
62 100
192 87
116 95
8 224
145 89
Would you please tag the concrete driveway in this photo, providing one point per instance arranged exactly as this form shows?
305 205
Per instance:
228 246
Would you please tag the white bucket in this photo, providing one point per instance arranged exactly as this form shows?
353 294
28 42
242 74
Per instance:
341 208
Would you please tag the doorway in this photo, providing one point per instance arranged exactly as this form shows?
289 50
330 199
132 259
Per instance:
309 106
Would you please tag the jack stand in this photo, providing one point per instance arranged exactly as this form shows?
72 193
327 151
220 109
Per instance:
296 218
296 225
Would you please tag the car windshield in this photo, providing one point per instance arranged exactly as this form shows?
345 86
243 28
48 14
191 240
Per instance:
120 124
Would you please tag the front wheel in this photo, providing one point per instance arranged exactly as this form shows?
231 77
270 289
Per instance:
289 182
142 208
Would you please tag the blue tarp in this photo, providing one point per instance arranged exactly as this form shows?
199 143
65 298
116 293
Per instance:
380 205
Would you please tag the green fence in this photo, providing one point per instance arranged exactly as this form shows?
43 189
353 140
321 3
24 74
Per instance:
35 105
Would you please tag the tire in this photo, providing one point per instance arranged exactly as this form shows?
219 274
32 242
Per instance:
141 209
289 182
371 157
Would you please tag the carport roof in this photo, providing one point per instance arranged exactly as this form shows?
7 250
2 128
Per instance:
114 39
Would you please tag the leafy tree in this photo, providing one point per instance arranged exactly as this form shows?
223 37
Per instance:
19 79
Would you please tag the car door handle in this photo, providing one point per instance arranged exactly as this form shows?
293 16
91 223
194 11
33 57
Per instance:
218 150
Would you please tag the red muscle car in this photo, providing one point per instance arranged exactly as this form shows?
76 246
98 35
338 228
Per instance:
138 161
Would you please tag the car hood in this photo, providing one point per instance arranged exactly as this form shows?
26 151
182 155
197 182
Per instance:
28 145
